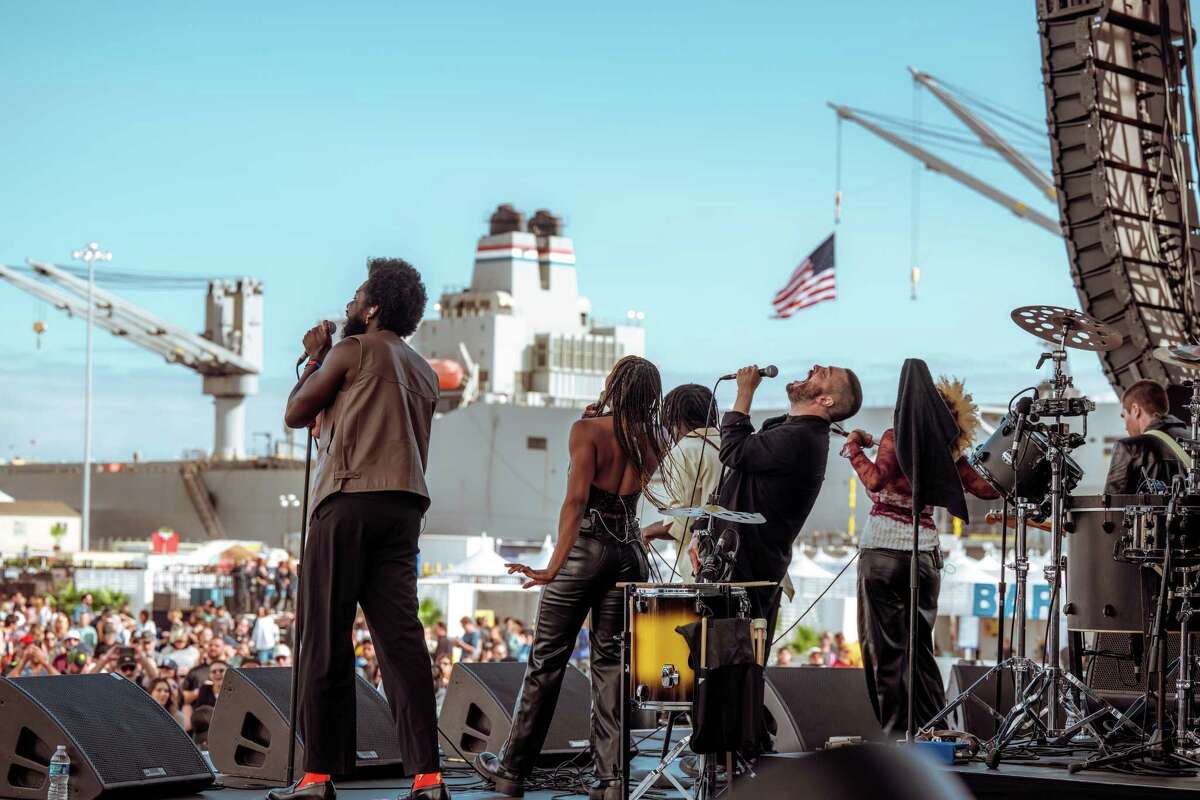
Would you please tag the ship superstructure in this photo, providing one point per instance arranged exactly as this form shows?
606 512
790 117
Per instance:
527 332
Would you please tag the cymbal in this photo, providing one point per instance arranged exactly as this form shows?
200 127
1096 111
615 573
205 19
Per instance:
1184 356
695 512
1081 331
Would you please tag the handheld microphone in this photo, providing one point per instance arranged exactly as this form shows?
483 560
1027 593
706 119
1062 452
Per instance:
330 327
767 372
1023 407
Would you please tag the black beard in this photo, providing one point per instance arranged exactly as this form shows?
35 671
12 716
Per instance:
354 327
805 390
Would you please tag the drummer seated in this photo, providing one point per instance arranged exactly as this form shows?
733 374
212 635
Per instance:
1151 452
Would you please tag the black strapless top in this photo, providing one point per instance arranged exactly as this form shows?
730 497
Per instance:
610 504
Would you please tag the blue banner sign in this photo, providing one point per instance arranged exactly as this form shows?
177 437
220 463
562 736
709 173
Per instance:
984 597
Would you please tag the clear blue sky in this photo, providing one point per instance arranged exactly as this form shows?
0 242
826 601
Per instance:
687 145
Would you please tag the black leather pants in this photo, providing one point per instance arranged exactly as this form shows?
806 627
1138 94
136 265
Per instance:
883 614
585 584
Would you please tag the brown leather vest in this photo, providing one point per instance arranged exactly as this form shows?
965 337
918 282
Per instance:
375 436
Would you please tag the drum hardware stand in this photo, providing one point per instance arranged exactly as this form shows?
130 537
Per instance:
1050 686
1184 684
1161 746
669 754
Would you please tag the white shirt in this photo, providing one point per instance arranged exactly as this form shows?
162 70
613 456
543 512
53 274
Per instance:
694 467
265 634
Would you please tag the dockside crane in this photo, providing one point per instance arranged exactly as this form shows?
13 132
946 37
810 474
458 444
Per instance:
986 135
228 355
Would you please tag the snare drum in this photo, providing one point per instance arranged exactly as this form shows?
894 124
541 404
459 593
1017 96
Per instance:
1031 477
659 675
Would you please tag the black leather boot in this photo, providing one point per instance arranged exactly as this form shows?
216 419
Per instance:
314 791
502 778
439 792
605 790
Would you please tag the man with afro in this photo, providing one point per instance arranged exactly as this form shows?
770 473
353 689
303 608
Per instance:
376 397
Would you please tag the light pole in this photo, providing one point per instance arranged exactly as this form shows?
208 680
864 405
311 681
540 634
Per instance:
286 502
89 255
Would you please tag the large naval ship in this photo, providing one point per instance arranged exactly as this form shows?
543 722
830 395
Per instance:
519 354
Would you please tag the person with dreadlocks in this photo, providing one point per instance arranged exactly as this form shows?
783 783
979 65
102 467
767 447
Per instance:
615 450
690 418
885 548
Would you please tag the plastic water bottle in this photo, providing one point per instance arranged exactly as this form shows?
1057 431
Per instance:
60 774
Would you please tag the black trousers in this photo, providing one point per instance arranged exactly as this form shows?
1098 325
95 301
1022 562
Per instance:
585 584
362 550
883 614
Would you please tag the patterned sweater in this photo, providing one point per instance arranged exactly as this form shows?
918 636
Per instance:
890 523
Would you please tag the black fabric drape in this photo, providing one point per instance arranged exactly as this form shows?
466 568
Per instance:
925 432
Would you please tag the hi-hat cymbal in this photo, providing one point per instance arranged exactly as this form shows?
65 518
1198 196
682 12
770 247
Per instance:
1184 356
1067 327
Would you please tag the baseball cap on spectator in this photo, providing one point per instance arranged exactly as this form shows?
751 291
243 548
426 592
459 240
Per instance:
27 639
179 633
168 663
282 651
73 633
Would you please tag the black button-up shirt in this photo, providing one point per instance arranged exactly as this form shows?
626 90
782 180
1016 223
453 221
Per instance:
778 473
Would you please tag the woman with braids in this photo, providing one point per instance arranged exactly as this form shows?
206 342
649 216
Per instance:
615 450
690 418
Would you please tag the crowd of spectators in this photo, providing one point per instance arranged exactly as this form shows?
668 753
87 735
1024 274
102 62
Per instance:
181 664
832 651
483 640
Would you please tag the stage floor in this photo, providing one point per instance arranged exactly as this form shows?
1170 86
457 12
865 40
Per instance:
1047 778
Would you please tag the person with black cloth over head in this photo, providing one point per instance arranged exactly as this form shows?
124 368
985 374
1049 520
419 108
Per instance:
941 419
778 472
375 397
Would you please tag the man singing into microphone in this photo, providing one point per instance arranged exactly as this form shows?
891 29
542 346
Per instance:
778 472
376 397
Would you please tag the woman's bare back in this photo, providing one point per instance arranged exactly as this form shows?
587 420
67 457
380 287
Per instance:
614 472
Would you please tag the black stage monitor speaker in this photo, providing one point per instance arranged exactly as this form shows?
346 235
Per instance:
248 734
971 716
121 743
1117 670
825 702
477 712
784 730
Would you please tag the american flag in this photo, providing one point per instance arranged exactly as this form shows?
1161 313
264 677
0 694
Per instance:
812 282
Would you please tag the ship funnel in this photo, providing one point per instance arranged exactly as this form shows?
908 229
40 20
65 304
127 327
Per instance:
506 219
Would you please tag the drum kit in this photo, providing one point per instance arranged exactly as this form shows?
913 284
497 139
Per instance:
662 674
1125 552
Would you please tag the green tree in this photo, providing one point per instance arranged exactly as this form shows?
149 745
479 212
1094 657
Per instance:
804 638
68 597
430 612
57 531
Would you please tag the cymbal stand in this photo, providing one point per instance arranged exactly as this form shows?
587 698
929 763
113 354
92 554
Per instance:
1051 688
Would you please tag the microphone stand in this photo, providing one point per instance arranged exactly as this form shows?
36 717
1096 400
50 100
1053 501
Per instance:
296 637
914 577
